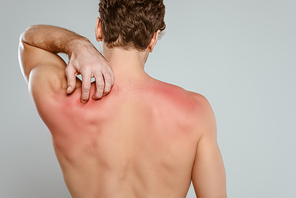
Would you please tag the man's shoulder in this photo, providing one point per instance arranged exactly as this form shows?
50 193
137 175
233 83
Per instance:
180 98
187 109
174 91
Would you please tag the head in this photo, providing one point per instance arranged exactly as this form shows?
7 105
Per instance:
130 24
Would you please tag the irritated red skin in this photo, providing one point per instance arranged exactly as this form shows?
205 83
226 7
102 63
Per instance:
145 135
145 139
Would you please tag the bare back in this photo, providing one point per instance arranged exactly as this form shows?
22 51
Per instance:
145 139
135 142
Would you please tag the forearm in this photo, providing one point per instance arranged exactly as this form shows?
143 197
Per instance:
84 58
53 39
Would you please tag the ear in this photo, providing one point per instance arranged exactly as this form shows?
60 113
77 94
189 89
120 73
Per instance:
99 30
153 41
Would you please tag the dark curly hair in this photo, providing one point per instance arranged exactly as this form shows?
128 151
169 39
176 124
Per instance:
131 23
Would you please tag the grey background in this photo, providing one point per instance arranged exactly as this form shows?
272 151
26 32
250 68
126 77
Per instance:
240 54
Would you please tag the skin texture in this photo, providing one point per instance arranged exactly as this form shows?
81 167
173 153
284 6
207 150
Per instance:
146 138
84 58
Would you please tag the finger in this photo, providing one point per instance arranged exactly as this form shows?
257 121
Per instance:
109 79
71 78
86 84
99 87
111 73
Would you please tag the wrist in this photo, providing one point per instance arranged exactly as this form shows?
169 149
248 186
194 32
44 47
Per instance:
75 45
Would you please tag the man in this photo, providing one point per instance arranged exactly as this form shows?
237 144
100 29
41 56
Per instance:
146 138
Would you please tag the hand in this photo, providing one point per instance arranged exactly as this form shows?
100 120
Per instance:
86 60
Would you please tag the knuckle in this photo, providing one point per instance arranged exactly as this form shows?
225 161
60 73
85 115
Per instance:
72 65
100 85
109 79
86 88
85 69
107 76
97 71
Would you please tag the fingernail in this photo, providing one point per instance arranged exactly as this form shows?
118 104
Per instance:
69 88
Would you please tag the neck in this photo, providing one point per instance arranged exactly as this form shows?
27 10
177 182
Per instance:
126 63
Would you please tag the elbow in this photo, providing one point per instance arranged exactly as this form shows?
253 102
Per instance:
26 36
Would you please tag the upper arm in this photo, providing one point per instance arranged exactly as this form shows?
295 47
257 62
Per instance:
31 57
208 175
44 71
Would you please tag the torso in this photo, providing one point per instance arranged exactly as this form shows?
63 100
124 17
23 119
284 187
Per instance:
135 142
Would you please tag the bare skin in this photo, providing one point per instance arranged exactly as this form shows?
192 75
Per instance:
146 138
88 62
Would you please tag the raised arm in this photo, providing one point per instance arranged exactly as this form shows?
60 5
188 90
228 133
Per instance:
208 175
84 58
